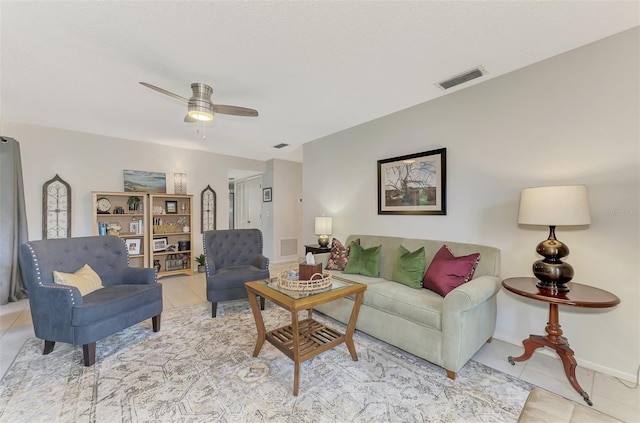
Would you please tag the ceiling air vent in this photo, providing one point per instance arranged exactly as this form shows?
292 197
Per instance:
462 78
281 145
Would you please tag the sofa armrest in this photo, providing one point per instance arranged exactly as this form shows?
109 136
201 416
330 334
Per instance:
471 294
138 276
468 320
261 262
52 310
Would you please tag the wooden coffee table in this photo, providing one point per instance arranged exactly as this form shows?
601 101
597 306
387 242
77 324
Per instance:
304 339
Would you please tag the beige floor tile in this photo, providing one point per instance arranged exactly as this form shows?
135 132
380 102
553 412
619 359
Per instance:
495 355
605 386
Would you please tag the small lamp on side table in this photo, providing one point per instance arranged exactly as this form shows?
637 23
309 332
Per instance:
323 228
554 206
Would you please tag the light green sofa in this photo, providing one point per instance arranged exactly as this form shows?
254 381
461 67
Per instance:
445 331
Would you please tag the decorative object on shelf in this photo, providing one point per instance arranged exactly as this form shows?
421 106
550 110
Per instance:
184 245
173 262
208 211
133 202
157 265
103 205
323 228
180 183
114 228
554 206
141 181
267 195
202 261
133 245
413 184
56 209
118 210
159 244
102 228
158 210
171 206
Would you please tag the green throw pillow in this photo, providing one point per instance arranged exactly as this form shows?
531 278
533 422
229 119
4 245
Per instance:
363 261
409 267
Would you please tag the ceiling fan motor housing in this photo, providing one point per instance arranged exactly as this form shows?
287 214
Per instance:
200 105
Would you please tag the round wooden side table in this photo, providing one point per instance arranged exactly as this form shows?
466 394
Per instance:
579 295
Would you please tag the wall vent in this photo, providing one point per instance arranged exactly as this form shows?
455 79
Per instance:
462 78
281 145
288 247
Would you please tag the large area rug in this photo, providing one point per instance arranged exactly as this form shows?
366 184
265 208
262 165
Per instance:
199 369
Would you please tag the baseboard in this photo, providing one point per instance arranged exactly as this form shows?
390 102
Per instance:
582 363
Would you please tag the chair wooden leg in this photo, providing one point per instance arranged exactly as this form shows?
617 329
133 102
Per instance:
155 321
214 308
261 303
490 339
451 375
48 347
89 352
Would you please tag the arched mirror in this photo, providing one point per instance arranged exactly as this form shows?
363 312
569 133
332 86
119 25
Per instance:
56 209
208 206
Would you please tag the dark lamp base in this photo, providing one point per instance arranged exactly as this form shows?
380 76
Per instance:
552 273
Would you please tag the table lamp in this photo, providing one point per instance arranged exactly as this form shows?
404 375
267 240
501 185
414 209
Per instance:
554 206
323 229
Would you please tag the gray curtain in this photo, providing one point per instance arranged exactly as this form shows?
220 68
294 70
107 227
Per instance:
13 220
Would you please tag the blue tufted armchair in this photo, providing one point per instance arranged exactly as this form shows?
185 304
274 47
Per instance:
60 314
234 256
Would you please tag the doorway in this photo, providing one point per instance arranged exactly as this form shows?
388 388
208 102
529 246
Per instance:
248 203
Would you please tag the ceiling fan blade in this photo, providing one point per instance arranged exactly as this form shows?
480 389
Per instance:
189 119
234 110
163 91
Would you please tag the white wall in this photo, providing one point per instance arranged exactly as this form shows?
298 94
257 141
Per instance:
572 119
91 162
287 207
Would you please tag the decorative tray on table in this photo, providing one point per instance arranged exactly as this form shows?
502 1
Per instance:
318 281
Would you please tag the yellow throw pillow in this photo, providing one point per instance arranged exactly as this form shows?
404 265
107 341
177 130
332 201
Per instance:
85 279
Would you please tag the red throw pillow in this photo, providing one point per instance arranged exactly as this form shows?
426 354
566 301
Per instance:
339 255
447 272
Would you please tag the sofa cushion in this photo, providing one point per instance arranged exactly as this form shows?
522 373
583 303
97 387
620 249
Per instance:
447 272
409 267
363 261
339 255
114 300
419 306
85 279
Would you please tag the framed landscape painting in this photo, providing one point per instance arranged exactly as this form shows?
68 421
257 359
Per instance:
413 184
141 181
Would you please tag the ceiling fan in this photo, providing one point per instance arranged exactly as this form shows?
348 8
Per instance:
200 106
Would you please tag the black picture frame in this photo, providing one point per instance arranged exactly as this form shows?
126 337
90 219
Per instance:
267 195
171 207
414 184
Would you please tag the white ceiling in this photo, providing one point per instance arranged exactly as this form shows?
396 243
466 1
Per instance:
310 68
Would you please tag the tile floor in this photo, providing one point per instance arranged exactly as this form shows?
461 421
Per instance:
607 393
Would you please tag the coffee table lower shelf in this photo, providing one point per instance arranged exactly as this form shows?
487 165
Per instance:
315 338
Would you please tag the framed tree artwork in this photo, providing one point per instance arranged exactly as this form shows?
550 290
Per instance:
413 184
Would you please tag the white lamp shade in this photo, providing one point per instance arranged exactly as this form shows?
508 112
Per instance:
323 226
554 206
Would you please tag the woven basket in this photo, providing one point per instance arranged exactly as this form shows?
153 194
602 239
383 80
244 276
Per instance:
321 282
164 229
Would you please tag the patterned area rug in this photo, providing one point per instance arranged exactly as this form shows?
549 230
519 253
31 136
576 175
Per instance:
199 369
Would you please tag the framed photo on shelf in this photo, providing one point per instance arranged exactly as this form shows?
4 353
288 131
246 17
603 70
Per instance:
133 245
413 184
160 244
171 206
266 195
134 227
